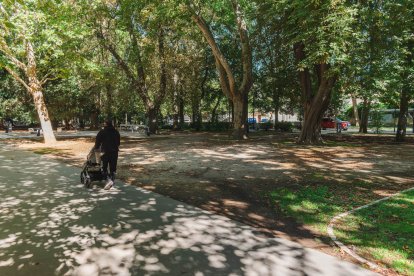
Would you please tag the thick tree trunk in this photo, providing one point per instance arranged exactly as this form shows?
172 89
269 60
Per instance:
152 115
176 125
355 109
196 118
366 106
240 118
311 128
314 104
44 119
405 95
402 118
35 89
227 79
94 117
67 125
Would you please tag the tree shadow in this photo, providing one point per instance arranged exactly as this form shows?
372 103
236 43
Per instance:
52 225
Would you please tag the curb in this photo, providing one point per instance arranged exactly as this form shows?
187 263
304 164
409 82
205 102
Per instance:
347 249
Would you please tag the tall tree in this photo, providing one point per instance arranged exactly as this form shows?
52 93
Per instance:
236 91
24 28
320 32
401 26
134 33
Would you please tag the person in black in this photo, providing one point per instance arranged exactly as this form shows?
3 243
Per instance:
108 140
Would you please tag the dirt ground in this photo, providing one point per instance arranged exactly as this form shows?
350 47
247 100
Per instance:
229 177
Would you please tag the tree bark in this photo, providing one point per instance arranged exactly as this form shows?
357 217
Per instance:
366 107
402 118
152 114
227 79
405 96
314 104
276 105
138 79
35 89
94 117
214 111
355 109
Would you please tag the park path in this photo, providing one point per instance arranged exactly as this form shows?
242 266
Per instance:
51 225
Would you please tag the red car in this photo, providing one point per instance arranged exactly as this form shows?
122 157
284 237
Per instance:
332 123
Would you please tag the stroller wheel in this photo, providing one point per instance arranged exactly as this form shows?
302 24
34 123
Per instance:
88 182
82 178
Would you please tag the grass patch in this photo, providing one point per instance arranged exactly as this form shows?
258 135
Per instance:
313 205
383 233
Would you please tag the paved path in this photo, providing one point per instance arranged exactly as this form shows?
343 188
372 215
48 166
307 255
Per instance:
51 225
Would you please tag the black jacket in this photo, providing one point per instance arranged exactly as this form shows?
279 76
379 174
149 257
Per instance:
108 139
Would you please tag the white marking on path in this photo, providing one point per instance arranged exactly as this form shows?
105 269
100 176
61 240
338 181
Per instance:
344 247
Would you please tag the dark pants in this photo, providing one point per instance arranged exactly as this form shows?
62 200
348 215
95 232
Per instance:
111 159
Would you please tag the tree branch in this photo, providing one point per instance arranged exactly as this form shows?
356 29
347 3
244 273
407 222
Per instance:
4 48
163 73
107 45
16 77
46 79
198 19
247 81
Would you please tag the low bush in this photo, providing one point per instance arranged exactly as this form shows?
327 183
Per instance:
284 126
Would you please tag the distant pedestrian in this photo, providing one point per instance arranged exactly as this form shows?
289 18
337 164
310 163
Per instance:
108 141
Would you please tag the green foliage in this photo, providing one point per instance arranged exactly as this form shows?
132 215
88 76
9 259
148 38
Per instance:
383 232
366 43
216 126
16 110
283 126
376 120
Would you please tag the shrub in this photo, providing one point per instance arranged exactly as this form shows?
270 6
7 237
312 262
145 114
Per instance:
266 126
216 126
284 126
376 120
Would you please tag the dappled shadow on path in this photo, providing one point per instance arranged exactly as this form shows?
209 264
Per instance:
49 224
236 178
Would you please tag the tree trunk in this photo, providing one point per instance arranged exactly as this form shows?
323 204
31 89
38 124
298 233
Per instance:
402 118
214 111
181 111
405 95
355 108
44 119
67 125
35 89
276 105
176 125
366 106
311 128
240 118
152 120
314 104
226 75
94 117
109 101
196 118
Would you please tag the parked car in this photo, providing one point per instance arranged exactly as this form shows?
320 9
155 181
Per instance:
332 123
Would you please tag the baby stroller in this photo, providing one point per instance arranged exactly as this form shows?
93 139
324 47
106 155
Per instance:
92 168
